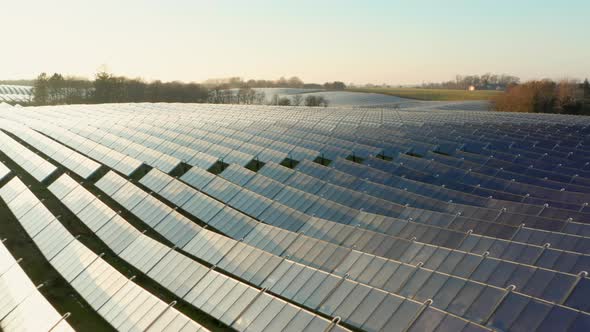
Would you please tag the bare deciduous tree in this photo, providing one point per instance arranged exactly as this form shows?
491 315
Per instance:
297 100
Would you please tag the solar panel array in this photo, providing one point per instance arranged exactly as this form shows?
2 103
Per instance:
15 93
21 300
262 218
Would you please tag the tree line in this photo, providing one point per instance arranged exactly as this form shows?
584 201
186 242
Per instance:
108 88
486 81
291 82
546 96
237 82
298 100
249 96
16 82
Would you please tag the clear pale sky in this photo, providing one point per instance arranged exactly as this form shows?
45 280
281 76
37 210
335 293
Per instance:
396 42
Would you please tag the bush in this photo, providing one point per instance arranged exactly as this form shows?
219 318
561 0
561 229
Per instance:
316 101
284 101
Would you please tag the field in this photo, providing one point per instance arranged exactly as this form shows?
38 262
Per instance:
352 98
432 94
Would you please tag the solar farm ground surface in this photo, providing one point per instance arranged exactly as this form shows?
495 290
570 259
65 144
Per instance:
196 217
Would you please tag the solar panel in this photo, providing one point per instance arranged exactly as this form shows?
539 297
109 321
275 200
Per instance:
139 250
35 165
267 218
4 171
20 299
117 299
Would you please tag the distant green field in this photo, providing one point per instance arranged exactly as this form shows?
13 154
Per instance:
432 94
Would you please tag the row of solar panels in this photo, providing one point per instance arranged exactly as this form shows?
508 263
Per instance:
8 98
557 167
537 141
221 194
129 248
300 318
380 224
547 211
15 94
357 153
21 300
15 89
17 215
121 302
243 158
328 294
245 307
472 268
503 146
